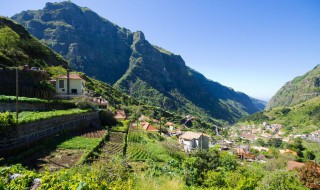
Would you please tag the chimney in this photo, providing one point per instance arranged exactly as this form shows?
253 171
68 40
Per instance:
68 81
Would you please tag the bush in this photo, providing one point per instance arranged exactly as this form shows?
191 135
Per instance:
6 120
83 102
106 117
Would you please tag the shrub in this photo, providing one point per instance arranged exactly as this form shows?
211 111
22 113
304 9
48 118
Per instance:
6 120
106 117
83 102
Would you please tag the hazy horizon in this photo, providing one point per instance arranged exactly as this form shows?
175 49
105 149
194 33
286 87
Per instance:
251 46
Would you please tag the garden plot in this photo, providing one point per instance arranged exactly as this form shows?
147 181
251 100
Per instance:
59 159
95 134
114 146
61 151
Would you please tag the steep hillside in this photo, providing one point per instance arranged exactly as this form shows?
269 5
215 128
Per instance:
90 43
115 55
304 117
298 90
17 46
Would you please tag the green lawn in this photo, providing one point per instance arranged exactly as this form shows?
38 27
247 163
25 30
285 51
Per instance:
80 143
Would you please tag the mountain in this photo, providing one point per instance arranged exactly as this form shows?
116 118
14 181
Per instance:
259 103
17 46
298 90
128 61
301 118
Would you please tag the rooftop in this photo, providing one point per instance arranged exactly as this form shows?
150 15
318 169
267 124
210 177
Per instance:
71 76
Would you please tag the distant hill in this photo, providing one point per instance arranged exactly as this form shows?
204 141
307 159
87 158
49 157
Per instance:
17 46
304 117
259 103
125 59
300 89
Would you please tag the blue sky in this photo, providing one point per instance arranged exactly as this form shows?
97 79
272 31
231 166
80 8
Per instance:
249 45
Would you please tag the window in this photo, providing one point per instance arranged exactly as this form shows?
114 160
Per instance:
74 91
61 83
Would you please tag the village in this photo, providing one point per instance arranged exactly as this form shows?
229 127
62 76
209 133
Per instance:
241 141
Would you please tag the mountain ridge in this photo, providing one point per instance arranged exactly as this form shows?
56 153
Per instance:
298 90
127 60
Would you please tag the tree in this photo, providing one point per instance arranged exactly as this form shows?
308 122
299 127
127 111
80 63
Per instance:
274 142
200 162
280 179
309 154
8 38
228 161
309 175
260 142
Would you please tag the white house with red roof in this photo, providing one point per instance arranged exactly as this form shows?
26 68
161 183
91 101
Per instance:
70 84
192 140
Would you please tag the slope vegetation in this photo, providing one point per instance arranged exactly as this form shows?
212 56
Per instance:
304 117
18 47
298 90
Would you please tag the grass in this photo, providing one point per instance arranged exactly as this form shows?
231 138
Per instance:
314 147
80 143
138 152
4 98
31 116
160 183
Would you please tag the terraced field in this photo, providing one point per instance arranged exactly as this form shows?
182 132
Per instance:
137 152
95 134
114 146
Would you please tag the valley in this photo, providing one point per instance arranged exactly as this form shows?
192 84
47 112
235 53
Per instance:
87 104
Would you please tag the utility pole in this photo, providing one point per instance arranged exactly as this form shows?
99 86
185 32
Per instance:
17 95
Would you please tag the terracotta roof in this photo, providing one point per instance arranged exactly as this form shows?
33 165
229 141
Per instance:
169 123
286 151
248 136
72 76
293 164
192 135
120 114
148 127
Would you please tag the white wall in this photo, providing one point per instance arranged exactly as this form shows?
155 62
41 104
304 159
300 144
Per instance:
74 84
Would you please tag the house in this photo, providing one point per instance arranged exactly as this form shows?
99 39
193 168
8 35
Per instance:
244 153
192 140
169 124
248 136
120 115
287 151
143 118
101 102
148 127
260 148
70 84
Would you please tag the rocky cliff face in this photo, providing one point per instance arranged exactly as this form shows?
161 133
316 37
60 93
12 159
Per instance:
300 89
127 60
90 43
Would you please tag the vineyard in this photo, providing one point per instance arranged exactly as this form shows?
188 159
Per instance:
94 134
114 147
137 152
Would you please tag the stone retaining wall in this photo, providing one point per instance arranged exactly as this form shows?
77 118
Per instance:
31 132
24 106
